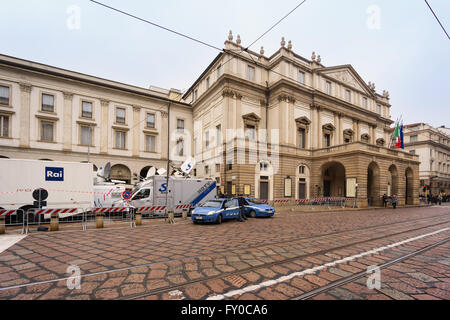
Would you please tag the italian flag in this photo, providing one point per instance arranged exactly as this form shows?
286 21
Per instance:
396 136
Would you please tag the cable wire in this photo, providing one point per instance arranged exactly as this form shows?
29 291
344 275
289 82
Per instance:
437 19
157 25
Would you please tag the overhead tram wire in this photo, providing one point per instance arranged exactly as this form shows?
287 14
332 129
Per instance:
157 25
437 19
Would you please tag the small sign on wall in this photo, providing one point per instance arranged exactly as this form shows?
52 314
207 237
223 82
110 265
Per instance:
288 187
351 187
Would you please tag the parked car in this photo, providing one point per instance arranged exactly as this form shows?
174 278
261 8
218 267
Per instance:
256 208
216 210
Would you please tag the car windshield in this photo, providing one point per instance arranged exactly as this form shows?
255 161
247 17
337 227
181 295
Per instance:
212 204
255 201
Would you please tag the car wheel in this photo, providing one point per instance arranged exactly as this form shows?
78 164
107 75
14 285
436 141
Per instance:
253 214
219 219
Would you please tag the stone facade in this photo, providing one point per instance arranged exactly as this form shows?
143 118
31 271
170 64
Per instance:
432 145
323 125
278 127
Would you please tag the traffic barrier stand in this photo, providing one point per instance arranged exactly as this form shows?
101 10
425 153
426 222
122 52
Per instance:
99 217
54 222
170 216
2 224
130 212
185 213
138 218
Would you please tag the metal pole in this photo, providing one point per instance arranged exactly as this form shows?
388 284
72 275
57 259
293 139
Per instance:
168 155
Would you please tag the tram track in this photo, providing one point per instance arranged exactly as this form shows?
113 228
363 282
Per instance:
265 265
286 242
357 276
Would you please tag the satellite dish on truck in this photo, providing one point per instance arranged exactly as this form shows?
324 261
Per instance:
151 172
107 171
188 165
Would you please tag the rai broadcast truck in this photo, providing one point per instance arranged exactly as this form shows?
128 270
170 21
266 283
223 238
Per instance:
63 185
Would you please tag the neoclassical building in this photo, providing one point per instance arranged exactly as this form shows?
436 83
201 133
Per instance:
278 127
287 127
432 145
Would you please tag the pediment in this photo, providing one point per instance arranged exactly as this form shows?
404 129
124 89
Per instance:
251 116
303 120
348 76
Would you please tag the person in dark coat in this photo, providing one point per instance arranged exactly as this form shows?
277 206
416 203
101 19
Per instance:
242 203
394 201
385 200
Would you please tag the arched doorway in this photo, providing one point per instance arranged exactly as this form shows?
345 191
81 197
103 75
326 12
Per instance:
373 184
302 185
392 187
409 192
120 172
332 179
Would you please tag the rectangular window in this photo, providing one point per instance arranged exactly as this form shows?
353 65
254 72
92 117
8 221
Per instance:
327 140
217 167
328 87
120 115
251 73
48 103
207 138
47 130
120 139
86 109
206 170
150 120
301 77
301 138
219 70
364 102
86 135
250 132
379 109
348 95
413 138
195 94
180 125
150 143
4 126
207 83
4 95
219 135
229 167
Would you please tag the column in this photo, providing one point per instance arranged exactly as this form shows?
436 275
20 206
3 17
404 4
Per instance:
336 132
319 128
25 90
313 128
104 128
67 121
136 130
373 135
340 134
358 130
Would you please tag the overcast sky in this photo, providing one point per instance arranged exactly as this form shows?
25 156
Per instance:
396 44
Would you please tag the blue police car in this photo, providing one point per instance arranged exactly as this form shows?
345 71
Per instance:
256 208
216 210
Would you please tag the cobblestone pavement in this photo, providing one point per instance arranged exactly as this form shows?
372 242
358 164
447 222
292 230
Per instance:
187 261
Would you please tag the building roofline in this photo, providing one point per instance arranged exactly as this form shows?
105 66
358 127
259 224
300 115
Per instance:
82 77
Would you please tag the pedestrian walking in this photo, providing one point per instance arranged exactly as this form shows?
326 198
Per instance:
242 216
394 201
385 200
440 199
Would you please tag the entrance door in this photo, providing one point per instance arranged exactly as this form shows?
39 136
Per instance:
326 188
229 187
264 190
302 191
